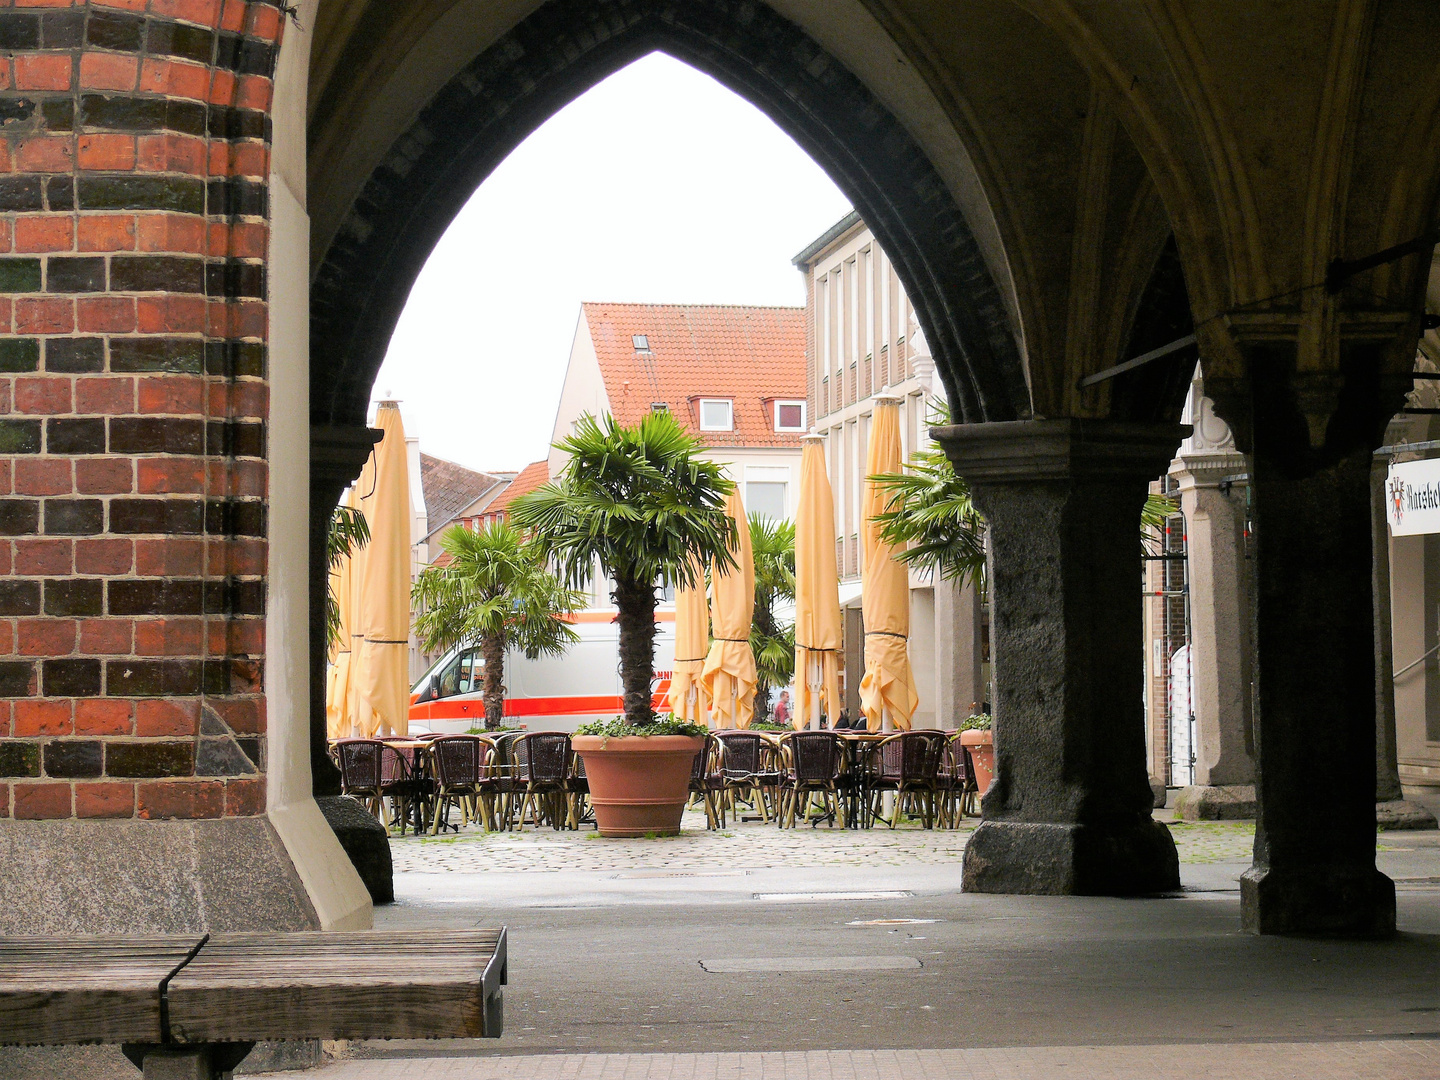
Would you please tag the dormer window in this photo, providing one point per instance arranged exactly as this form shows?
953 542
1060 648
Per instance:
717 414
789 416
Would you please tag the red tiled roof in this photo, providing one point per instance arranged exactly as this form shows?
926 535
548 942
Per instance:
529 478
752 355
449 488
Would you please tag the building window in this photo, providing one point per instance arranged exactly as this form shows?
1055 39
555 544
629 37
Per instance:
789 416
659 406
717 414
641 342
765 498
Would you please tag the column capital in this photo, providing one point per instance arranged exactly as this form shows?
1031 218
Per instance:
1207 470
338 452
1069 449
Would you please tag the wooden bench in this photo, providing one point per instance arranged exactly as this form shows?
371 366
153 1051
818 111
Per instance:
190 1006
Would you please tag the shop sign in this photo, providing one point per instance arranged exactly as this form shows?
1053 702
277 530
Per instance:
1412 497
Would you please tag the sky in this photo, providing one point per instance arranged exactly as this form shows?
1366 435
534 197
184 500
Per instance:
659 185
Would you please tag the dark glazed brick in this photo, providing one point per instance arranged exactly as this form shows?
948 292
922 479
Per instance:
19 33
19 517
19 354
63 29
74 596
235 358
232 517
60 193
21 193
19 597
232 439
177 517
157 597
19 275
181 194
178 39
15 679
74 758
74 354
233 197
59 113
181 355
153 678
157 273
239 124
72 275
142 114
235 279
19 759
144 759
115 30
247 598
74 517
16 110
135 435
19 436
70 678
75 436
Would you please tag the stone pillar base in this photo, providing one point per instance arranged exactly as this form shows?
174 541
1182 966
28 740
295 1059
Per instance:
365 841
1220 802
1113 859
1400 814
1318 900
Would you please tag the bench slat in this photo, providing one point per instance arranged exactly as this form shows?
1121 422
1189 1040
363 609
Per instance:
403 985
55 991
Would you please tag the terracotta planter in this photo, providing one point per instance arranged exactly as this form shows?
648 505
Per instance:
982 753
638 785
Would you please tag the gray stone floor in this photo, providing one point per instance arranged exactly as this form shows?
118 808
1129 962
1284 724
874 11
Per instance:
677 958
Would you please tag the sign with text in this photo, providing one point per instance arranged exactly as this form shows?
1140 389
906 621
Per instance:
1412 497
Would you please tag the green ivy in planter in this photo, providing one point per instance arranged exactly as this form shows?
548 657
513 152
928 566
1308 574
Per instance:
659 725
976 722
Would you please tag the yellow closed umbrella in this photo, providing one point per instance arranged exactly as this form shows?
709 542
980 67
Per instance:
887 692
338 684
729 673
692 636
357 713
818 638
384 610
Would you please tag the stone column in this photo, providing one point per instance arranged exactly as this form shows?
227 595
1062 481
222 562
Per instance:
1214 509
1070 809
959 686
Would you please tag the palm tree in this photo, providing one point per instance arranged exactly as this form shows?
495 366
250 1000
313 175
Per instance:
348 532
772 641
496 593
930 510
639 502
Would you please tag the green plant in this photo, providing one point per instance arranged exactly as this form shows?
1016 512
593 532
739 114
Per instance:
348 532
771 639
976 722
496 593
643 504
621 727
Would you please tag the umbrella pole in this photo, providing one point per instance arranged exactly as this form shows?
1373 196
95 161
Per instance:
887 804
817 675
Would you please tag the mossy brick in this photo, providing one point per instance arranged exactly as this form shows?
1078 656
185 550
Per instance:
19 354
15 678
19 436
138 760
19 759
70 678
74 355
19 275
178 355
74 759
180 194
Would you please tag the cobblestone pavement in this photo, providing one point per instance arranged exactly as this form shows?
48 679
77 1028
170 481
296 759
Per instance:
1409 1059
748 845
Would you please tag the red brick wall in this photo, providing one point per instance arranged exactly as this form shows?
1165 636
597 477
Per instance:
133 203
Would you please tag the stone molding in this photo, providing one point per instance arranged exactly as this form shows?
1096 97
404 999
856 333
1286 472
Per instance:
1048 450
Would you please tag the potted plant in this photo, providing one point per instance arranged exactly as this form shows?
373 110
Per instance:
639 502
975 735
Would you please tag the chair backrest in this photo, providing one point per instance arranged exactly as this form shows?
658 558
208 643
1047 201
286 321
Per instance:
816 756
359 764
504 745
457 759
707 761
954 762
395 762
543 757
742 752
922 751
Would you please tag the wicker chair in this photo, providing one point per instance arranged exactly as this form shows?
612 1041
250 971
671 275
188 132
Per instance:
577 787
745 773
542 774
497 784
955 783
907 764
359 762
403 782
814 761
459 762
707 781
